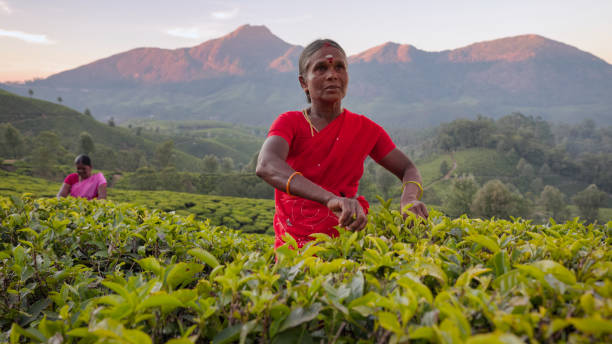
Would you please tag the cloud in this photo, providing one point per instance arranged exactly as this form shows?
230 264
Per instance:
26 37
4 7
224 15
191 33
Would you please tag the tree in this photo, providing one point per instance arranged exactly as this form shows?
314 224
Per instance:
210 163
14 141
496 199
30 92
86 144
111 122
461 196
87 112
59 100
444 168
227 164
164 154
589 201
45 153
553 201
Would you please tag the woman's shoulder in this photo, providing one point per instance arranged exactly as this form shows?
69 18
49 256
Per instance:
361 118
72 179
291 115
100 177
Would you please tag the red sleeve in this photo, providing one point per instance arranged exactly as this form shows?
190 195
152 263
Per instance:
72 179
284 127
384 145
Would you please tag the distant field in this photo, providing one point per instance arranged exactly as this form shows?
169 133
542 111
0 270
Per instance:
200 137
249 215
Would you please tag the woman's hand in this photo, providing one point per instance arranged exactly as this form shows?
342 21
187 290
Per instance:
418 208
349 212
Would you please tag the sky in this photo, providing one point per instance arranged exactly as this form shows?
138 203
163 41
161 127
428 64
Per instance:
42 37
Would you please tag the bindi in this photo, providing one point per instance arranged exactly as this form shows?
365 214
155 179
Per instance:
329 58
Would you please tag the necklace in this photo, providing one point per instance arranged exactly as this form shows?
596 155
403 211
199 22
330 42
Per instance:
312 128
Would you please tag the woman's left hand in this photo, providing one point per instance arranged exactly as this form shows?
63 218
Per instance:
418 208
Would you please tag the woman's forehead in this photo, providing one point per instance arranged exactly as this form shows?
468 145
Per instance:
326 53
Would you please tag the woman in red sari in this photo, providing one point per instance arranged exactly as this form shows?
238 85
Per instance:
314 158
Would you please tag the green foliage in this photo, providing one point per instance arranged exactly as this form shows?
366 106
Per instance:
79 271
86 144
46 153
210 164
248 215
115 146
461 195
444 168
589 201
554 203
14 141
495 199
164 154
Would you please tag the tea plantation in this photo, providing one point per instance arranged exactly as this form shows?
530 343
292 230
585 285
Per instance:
74 271
248 215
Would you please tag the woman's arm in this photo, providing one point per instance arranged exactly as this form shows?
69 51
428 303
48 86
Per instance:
102 191
400 165
64 190
273 168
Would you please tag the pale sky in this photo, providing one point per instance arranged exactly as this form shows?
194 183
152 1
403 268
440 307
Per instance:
42 37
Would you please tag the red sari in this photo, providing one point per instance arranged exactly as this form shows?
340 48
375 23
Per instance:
333 159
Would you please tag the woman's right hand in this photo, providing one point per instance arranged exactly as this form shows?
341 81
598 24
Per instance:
349 212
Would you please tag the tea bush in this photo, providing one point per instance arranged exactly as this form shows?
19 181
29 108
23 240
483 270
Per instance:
84 272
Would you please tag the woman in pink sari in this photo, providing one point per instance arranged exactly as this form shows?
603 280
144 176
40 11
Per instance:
314 157
83 183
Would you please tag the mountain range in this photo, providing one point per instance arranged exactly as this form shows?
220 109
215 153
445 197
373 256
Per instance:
250 76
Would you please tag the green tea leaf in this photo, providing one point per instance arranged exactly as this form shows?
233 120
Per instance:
484 241
389 321
300 315
168 302
204 256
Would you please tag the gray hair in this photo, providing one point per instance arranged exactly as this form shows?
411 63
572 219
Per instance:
310 50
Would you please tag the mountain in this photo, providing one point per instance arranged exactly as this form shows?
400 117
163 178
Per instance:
248 51
249 76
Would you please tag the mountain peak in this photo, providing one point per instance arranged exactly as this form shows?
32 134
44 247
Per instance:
388 52
513 49
251 30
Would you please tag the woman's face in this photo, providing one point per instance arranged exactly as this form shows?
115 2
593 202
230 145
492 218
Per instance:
84 171
326 76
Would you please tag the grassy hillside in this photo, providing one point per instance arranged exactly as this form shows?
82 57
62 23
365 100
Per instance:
201 137
487 164
250 215
31 116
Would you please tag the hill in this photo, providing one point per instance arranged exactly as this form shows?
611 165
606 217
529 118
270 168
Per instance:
202 137
32 116
249 76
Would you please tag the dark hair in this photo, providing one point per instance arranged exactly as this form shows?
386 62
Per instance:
310 50
83 160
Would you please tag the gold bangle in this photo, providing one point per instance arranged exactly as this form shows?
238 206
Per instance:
417 184
289 180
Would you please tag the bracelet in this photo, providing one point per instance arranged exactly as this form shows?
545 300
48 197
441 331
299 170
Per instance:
417 184
289 180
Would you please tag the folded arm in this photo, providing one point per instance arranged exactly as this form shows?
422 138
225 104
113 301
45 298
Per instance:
273 168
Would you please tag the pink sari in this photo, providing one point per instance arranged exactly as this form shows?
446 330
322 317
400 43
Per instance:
88 188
